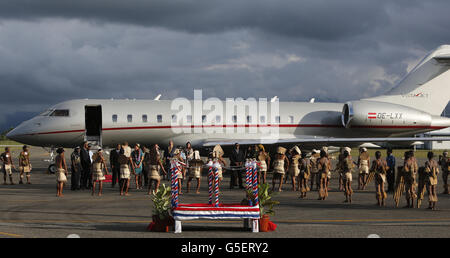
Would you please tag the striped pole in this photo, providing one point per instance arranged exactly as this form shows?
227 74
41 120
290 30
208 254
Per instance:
177 171
255 182
210 183
174 172
248 179
171 182
216 184
247 175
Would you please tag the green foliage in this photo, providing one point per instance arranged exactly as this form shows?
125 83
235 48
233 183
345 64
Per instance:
3 134
162 201
265 195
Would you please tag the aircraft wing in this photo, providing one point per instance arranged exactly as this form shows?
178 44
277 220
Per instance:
319 140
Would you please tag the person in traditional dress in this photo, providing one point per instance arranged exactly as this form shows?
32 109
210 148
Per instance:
379 167
444 162
189 151
329 170
195 171
280 165
189 155
323 167
315 155
154 164
98 165
363 165
217 155
61 172
431 179
168 155
126 166
127 149
264 163
215 160
346 167
294 170
25 165
305 172
7 165
339 168
178 156
409 174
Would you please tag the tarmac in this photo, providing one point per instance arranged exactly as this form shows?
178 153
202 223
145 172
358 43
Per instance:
34 211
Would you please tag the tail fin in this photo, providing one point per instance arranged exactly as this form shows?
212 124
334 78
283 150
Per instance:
426 87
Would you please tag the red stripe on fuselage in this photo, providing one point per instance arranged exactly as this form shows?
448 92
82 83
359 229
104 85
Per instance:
399 127
213 126
275 125
58 132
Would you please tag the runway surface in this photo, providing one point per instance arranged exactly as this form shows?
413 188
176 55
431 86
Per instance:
34 211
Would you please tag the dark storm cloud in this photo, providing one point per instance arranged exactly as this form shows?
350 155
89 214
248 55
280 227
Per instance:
318 19
53 50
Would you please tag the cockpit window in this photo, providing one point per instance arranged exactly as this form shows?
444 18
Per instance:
46 112
60 112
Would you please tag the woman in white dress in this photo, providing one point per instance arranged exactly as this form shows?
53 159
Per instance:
195 171
98 164
61 172
125 172
280 165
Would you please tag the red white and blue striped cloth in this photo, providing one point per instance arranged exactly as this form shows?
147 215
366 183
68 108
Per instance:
209 211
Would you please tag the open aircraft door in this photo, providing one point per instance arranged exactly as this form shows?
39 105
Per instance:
93 124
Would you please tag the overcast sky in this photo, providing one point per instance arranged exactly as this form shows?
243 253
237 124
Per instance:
56 50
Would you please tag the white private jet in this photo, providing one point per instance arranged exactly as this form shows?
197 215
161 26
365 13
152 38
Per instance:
413 106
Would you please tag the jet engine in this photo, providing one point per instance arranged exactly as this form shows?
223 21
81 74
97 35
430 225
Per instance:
374 114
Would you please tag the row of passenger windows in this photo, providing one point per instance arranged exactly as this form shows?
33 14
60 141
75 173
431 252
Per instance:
218 119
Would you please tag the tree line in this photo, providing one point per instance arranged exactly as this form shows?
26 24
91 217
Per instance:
3 134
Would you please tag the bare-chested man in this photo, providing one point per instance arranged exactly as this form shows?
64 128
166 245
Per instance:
347 178
363 164
409 173
444 162
61 172
379 167
305 172
323 168
431 180
8 165
314 171
25 165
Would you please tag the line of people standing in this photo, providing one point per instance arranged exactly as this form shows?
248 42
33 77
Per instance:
24 165
90 168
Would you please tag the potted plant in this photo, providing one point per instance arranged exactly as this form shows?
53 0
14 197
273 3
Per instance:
266 205
161 209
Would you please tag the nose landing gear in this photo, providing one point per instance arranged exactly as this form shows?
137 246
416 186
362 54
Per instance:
52 167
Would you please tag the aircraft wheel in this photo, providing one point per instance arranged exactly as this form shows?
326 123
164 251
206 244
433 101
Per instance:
52 169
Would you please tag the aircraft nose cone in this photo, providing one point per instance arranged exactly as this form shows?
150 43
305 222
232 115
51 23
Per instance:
12 135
